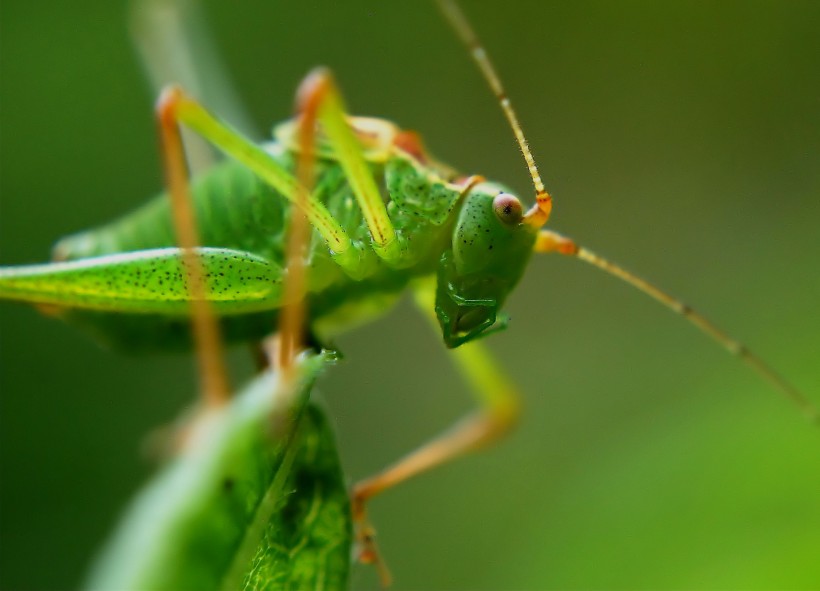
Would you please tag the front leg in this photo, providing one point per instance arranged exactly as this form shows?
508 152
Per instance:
498 410
319 100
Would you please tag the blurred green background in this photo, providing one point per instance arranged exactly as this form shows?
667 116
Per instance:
679 138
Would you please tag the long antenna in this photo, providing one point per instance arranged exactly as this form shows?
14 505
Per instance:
538 215
553 242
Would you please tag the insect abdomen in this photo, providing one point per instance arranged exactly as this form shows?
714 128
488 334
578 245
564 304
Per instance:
233 209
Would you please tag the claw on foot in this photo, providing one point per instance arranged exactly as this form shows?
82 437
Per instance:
365 550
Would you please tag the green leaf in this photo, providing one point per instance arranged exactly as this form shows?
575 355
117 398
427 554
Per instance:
256 500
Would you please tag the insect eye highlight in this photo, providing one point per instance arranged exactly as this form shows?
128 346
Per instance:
507 208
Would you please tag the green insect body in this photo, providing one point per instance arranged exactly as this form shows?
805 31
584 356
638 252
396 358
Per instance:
126 281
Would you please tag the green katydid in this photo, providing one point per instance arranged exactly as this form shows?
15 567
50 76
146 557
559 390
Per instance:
473 235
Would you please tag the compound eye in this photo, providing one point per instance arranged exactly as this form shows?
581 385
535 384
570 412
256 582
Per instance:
508 208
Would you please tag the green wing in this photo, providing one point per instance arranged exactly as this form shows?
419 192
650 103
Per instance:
147 282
